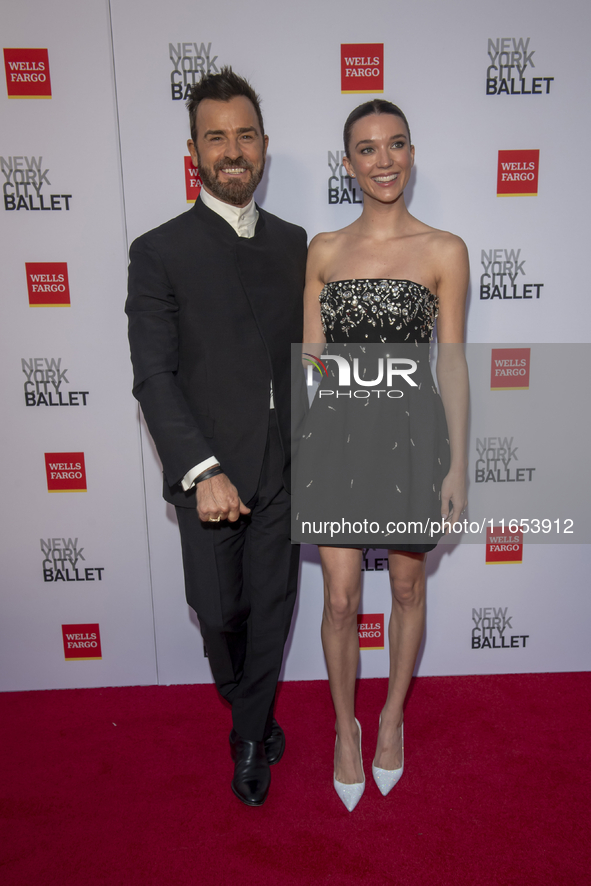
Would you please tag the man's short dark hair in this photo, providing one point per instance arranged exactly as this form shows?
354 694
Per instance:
376 106
221 88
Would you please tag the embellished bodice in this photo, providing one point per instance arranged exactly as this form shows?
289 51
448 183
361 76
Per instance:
377 311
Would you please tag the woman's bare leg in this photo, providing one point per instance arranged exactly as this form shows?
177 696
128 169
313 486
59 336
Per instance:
341 568
405 632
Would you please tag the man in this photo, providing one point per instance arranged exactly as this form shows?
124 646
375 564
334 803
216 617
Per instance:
215 299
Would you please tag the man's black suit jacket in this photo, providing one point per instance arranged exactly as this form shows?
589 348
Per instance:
211 320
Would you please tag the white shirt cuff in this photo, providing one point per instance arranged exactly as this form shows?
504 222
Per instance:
189 479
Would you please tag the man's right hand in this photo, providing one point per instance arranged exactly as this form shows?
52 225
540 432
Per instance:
218 498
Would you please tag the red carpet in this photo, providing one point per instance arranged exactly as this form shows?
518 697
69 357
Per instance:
496 789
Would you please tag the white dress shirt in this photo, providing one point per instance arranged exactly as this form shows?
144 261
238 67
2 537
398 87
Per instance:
244 220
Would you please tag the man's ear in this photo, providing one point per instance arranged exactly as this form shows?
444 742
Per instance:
193 152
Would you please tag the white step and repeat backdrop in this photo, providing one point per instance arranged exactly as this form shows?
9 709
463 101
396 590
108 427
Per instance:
93 153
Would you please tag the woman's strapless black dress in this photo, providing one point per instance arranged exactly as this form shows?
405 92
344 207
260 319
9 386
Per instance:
366 455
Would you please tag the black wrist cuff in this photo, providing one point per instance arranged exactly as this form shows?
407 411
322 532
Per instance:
210 472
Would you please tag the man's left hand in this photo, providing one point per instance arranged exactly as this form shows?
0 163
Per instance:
218 499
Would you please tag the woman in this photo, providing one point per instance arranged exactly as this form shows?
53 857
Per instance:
417 271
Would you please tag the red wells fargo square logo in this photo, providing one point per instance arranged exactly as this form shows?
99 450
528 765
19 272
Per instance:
65 471
509 369
517 173
47 283
362 67
192 180
371 631
81 642
504 546
27 73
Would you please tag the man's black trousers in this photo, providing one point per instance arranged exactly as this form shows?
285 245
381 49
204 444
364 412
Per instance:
241 580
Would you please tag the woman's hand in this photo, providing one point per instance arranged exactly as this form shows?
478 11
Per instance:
453 496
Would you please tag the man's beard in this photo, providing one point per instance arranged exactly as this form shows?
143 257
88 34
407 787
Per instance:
237 193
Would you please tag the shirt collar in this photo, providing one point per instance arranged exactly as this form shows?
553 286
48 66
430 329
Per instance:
242 219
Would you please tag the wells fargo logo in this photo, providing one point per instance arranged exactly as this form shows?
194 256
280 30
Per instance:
362 67
27 73
503 545
517 173
192 180
371 631
81 642
509 369
65 471
47 284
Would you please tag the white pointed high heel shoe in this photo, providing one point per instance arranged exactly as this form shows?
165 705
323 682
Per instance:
351 794
387 778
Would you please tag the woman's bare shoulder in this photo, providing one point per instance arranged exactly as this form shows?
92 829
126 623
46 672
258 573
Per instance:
327 241
325 250
450 265
438 238
444 249
445 243
451 253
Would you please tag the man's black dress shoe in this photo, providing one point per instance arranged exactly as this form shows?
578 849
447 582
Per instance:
274 743
252 776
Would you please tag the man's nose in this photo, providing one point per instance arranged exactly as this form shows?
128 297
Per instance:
234 148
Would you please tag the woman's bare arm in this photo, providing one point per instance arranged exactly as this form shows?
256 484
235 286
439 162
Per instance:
452 370
313 329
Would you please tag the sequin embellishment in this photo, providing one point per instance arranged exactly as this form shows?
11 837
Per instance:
348 307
